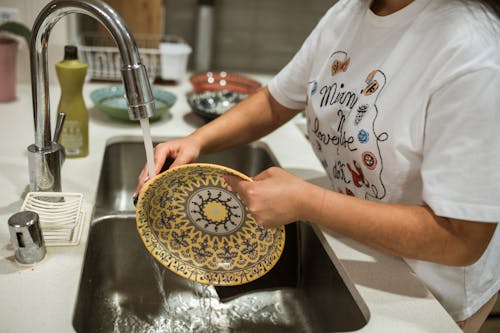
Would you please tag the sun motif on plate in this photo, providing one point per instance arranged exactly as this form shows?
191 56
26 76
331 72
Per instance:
193 225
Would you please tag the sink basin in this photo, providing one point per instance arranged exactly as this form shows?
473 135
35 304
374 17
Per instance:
124 160
123 289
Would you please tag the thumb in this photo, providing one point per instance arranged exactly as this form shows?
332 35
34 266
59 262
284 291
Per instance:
235 184
263 175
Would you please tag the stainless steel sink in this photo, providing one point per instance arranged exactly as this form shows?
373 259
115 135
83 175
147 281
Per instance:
123 289
124 160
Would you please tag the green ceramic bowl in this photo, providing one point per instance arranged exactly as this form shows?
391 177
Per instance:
112 101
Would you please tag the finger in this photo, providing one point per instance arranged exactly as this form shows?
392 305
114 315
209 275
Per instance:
180 161
160 156
137 190
139 186
140 181
263 175
235 184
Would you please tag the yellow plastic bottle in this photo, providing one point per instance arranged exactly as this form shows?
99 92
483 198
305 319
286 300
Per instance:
75 132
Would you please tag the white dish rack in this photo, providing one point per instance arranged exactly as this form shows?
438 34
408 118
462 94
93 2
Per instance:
61 216
104 61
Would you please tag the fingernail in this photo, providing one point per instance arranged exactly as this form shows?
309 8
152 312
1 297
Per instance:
135 198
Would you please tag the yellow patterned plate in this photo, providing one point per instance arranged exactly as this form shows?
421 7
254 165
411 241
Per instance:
193 225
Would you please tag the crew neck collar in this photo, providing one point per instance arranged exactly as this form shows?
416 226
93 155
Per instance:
404 15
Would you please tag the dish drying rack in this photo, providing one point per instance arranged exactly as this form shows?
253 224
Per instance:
61 216
99 51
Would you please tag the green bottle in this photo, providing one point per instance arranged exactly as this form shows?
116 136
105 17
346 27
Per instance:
75 132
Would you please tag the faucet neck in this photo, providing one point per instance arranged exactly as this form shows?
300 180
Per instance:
45 156
42 27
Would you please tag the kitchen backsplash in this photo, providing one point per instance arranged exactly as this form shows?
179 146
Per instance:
250 35
258 36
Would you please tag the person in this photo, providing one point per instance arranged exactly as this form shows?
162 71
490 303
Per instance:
402 106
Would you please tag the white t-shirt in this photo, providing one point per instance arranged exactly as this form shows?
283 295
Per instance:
405 108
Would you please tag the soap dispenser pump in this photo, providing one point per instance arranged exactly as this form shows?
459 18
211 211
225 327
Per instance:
71 73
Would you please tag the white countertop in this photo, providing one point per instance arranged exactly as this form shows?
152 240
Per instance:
41 298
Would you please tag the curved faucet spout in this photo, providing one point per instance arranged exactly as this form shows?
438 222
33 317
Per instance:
135 78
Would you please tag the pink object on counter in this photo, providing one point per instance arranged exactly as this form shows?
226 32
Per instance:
8 54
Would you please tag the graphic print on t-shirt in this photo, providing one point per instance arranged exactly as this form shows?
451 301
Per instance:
342 127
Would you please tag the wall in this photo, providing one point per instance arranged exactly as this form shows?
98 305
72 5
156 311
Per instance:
28 10
250 36
256 35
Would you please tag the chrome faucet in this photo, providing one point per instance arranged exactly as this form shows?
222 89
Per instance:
46 155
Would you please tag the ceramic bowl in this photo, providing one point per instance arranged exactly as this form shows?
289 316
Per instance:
111 100
195 226
215 81
211 104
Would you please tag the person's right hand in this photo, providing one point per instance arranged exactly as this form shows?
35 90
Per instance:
181 151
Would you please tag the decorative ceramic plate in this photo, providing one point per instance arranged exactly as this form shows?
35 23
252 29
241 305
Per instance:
193 225
112 101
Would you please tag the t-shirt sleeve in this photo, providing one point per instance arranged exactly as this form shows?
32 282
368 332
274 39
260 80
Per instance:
461 156
289 86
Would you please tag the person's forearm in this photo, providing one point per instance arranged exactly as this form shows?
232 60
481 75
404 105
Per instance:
413 232
251 119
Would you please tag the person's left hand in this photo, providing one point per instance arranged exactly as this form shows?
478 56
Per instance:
273 198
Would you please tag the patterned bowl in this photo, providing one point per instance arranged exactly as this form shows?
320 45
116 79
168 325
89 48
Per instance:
193 225
211 104
211 81
112 101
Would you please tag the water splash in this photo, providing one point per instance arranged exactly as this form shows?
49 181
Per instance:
184 306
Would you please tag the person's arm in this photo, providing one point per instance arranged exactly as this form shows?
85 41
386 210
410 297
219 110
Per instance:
254 117
276 197
249 120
